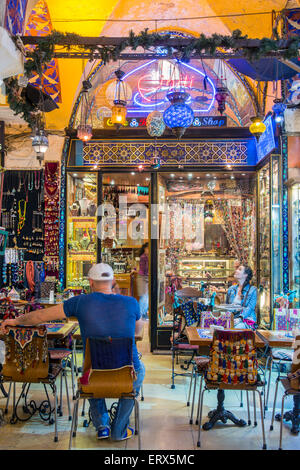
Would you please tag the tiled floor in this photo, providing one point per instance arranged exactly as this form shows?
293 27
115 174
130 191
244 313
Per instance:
164 417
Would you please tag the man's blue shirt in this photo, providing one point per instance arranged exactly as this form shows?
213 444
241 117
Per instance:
105 315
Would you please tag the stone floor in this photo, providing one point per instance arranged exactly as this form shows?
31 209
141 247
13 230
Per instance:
164 419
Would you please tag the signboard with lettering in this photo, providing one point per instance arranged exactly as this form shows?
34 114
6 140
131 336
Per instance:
199 121
266 142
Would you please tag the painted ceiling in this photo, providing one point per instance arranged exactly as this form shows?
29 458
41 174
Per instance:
116 18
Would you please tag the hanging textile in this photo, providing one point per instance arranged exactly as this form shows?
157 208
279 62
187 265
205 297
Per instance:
51 221
237 216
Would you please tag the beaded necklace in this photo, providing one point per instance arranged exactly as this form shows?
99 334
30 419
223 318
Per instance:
22 216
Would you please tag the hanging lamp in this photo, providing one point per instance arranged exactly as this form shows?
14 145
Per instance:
221 88
278 109
257 127
85 128
179 115
119 111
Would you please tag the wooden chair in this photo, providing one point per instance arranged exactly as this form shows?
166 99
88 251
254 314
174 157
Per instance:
291 385
27 362
232 366
207 319
107 373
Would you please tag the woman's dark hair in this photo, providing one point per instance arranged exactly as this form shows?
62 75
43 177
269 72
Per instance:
249 273
142 250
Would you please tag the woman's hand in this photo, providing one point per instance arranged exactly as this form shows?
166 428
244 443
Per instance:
6 324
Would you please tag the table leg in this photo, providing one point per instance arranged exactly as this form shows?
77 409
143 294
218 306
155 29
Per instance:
293 415
220 414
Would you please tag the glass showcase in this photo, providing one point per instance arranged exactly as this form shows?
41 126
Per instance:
208 220
81 228
295 241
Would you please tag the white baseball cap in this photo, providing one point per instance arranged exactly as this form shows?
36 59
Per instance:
101 272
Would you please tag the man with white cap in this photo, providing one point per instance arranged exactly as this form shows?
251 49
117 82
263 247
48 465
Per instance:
100 313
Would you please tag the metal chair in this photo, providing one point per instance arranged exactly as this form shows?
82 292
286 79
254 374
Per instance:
27 361
232 366
291 385
207 319
107 373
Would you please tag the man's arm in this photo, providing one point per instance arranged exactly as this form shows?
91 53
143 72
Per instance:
139 325
36 317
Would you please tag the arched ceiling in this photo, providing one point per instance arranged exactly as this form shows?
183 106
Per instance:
68 16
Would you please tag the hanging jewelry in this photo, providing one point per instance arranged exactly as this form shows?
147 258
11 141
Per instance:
37 179
22 215
30 181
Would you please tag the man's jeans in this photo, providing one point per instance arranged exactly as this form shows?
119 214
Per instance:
99 414
144 305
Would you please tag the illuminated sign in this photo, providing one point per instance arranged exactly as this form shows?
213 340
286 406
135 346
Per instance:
266 142
199 121
159 77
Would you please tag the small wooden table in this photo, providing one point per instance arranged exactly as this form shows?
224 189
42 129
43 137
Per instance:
196 340
56 330
276 339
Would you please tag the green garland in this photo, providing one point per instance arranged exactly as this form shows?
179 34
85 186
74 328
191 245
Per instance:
44 52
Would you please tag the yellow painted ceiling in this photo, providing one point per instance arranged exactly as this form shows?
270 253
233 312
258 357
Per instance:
168 12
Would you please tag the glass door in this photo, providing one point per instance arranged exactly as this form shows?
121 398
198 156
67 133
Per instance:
81 228
295 242
264 243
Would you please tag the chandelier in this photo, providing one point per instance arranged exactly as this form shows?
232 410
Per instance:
278 109
118 116
85 128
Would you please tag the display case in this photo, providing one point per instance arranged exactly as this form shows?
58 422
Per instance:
194 270
269 239
294 213
81 228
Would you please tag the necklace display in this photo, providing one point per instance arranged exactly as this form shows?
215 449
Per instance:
22 215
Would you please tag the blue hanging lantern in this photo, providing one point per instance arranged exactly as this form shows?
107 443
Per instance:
178 116
278 108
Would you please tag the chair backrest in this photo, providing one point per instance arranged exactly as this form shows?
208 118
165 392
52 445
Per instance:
224 319
294 376
26 354
108 370
233 359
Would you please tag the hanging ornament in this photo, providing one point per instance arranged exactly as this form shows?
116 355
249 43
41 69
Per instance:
221 94
278 108
118 116
208 211
257 127
178 116
155 124
85 128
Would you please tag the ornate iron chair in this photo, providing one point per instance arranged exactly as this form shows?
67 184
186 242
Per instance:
207 319
291 385
232 366
27 361
107 373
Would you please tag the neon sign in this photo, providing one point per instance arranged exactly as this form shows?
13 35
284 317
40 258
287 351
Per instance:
153 86
199 121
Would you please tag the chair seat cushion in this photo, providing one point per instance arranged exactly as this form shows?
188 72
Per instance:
201 363
282 354
186 346
288 387
58 355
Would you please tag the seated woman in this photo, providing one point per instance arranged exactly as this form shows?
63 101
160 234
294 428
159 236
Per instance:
244 295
